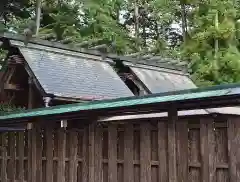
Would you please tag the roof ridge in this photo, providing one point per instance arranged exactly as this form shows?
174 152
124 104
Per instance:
71 47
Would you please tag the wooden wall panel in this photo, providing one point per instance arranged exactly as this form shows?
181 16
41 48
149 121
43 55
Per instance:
4 157
112 153
98 164
61 154
39 152
162 151
182 148
20 148
208 156
145 152
203 150
12 155
128 154
233 149
73 163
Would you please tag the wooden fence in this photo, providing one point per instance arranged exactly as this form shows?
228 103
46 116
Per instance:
199 151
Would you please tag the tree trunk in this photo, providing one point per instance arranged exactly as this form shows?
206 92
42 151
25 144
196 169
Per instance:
136 14
184 20
38 16
216 49
216 46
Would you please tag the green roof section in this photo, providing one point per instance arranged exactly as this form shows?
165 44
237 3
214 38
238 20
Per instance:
217 91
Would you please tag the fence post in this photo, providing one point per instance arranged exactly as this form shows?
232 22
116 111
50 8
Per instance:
182 150
4 158
112 153
172 159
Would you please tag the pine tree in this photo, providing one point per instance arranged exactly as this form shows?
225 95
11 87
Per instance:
212 47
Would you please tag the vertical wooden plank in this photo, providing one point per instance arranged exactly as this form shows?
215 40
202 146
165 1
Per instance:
233 149
128 153
12 157
162 151
21 155
237 147
73 156
172 165
98 154
182 150
34 154
112 153
49 154
85 155
30 93
212 154
4 158
91 153
136 145
204 150
39 149
145 152
194 153
61 155
120 152
207 150
29 168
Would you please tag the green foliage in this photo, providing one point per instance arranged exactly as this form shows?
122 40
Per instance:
213 42
6 108
3 54
207 37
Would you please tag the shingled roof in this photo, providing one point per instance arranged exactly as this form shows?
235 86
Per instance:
83 74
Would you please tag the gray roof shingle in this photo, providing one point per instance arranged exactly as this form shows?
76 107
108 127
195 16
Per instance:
158 81
74 77
67 73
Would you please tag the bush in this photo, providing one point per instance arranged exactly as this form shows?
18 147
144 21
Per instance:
5 108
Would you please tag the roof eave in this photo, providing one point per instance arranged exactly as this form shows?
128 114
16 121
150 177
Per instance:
146 108
69 99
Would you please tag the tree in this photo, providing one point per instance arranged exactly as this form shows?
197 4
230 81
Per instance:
212 46
207 35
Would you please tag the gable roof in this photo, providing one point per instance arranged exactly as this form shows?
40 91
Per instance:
159 80
82 74
74 76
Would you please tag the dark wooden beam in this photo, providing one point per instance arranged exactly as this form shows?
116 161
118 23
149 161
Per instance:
30 93
181 63
86 43
155 58
16 87
172 119
133 55
34 79
17 59
97 47
10 74
65 99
